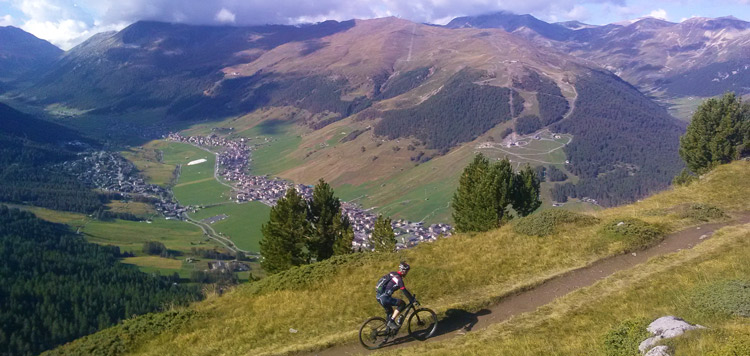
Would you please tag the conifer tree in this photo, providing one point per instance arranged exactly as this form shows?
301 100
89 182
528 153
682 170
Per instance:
526 192
323 210
285 233
718 133
485 191
344 235
502 182
383 239
473 207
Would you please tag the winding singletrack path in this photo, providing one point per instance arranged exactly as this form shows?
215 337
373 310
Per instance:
531 299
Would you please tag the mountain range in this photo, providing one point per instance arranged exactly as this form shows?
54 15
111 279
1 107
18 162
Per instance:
699 56
446 88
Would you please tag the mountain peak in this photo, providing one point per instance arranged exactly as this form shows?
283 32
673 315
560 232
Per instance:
511 22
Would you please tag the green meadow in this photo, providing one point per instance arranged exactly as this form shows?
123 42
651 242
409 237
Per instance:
196 184
276 140
242 225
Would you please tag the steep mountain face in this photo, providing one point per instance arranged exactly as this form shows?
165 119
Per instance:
699 56
443 88
21 52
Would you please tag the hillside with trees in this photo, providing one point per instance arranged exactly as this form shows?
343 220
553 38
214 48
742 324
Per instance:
29 150
552 103
625 147
458 113
465 276
56 287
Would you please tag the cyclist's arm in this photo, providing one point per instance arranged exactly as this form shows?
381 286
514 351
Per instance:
407 294
402 287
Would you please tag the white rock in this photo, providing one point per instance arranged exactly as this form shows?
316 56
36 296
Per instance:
658 351
620 223
649 343
664 328
293 331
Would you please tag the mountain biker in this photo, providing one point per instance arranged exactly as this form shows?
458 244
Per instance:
385 290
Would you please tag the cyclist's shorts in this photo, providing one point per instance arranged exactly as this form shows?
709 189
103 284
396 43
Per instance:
387 301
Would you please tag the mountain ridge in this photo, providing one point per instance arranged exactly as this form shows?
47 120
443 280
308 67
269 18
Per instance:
21 52
656 55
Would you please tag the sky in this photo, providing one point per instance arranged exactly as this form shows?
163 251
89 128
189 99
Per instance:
66 23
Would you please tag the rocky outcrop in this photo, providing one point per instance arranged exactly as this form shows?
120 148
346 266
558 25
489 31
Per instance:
665 327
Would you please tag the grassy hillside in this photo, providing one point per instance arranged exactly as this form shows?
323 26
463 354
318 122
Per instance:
692 284
463 272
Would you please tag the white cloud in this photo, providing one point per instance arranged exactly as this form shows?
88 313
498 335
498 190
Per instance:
225 16
7 20
68 22
578 13
658 14
66 33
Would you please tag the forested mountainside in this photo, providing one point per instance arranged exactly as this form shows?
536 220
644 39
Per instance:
56 287
698 56
21 52
617 156
459 113
29 149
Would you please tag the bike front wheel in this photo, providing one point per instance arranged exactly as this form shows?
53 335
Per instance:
422 324
373 333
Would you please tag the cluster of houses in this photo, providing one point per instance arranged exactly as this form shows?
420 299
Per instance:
110 172
234 157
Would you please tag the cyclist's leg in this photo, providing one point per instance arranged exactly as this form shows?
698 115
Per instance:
399 307
386 306
389 302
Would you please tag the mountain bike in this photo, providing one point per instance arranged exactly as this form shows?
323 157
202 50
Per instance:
421 324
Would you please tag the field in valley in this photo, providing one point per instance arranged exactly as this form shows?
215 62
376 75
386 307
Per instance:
242 223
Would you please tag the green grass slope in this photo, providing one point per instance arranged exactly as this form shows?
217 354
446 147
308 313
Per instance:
326 302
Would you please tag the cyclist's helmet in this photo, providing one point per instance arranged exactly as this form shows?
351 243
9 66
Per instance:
403 268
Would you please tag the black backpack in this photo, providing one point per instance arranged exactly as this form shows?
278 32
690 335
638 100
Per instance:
382 282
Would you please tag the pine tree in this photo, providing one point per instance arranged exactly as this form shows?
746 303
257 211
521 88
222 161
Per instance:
485 191
473 207
344 235
718 133
502 183
323 210
526 192
285 233
383 239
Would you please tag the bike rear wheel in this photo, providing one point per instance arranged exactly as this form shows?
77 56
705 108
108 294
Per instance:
422 324
373 333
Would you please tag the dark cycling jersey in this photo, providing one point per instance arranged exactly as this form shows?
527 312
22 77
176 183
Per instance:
394 284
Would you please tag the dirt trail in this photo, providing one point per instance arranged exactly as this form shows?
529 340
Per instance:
459 322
